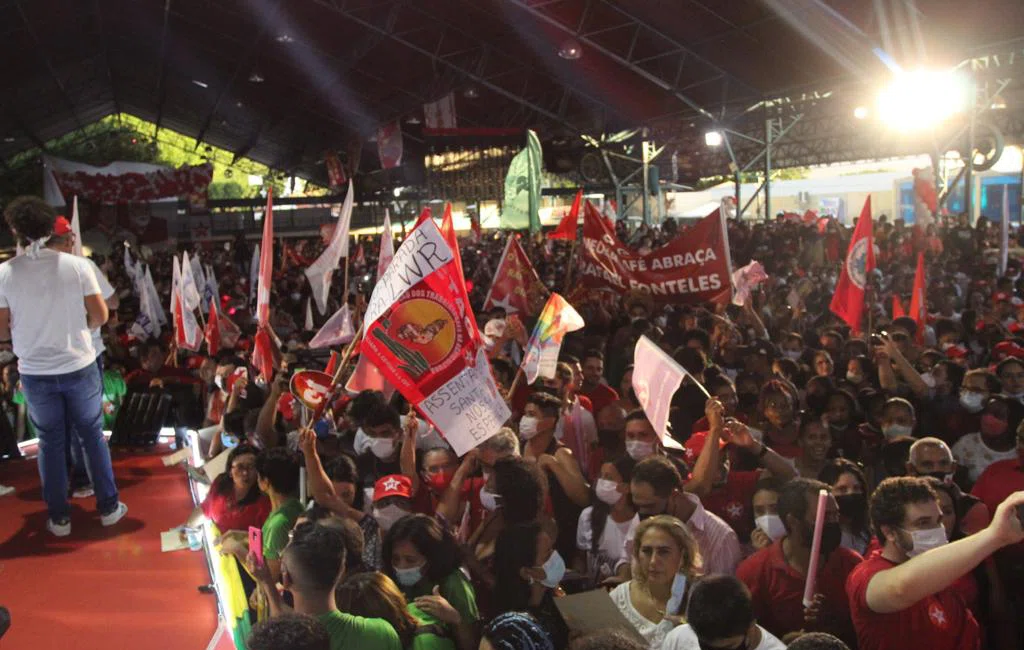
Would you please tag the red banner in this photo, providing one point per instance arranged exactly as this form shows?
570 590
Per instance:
692 268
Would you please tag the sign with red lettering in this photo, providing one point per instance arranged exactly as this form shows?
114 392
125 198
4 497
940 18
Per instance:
692 268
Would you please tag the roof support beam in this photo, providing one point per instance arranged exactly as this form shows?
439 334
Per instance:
161 84
25 128
98 10
49 66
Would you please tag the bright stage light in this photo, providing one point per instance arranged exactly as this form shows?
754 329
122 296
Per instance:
861 113
922 99
713 138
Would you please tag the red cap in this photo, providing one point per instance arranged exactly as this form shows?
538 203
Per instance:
695 444
956 352
1002 296
61 226
392 485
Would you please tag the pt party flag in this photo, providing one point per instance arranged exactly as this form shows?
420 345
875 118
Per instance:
558 319
656 378
516 287
320 272
567 227
848 299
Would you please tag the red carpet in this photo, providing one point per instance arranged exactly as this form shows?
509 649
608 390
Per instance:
103 588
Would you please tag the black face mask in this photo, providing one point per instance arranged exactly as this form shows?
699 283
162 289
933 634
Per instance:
852 505
831 537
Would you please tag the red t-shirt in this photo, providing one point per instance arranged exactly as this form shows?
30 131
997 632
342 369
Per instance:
941 621
600 396
777 590
998 481
223 510
733 502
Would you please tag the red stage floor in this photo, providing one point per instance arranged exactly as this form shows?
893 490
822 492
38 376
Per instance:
103 588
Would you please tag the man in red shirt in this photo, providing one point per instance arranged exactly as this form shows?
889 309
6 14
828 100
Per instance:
904 597
776 574
594 387
996 483
729 494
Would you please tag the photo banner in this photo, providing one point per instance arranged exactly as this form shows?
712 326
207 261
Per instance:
692 268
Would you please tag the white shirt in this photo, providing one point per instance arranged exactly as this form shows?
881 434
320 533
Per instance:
106 290
972 452
46 297
684 638
610 548
653 633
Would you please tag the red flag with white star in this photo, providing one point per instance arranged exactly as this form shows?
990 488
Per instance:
516 287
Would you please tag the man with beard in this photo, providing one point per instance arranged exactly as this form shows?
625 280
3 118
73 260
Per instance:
776 575
904 597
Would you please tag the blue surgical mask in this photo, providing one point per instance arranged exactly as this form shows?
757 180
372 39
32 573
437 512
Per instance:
409 577
554 571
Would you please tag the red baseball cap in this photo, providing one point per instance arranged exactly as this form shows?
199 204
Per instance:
392 485
695 444
1002 296
61 226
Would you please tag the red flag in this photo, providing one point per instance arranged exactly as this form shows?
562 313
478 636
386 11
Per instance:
229 332
474 224
332 365
917 303
567 228
360 258
335 171
424 215
266 262
897 308
516 287
848 299
263 355
448 231
389 145
212 333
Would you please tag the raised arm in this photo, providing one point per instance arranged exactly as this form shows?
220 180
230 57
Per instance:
703 476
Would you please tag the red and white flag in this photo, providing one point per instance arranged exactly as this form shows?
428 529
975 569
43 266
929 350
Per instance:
848 299
567 227
421 334
266 263
263 354
187 335
918 306
366 376
656 378
321 272
335 170
212 333
336 331
440 114
516 287
229 332
387 246
389 145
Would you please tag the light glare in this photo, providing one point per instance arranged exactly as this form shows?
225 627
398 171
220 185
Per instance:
713 138
861 113
922 99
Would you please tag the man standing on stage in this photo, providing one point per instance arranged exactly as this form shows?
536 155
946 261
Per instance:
49 302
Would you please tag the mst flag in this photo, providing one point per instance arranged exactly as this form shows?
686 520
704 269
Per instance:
692 268
558 319
266 264
515 287
656 378
521 208
848 299
322 270
567 227
420 333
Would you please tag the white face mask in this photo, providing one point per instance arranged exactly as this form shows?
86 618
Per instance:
554 571
409 577
361 444
854 377
971 401
383 447
896 430
792 354
608 491
639 450
388 516
771 525
527 427
926 540
488 499
678 591
928 379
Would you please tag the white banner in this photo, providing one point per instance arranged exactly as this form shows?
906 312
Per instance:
656 378
322 270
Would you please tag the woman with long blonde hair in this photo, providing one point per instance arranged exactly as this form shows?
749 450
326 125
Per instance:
666 561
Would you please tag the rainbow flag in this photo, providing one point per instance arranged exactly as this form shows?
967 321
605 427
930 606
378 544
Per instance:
556 320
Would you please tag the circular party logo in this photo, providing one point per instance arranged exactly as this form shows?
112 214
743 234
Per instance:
425 326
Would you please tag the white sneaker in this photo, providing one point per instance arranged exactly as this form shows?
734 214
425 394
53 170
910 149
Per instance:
83 492
59 530
115 516
5 490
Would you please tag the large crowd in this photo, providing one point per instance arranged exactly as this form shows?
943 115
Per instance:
912 429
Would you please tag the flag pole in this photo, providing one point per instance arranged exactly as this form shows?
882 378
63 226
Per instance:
515 383
336 379
572 263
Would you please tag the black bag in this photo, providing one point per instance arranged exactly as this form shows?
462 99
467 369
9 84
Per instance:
140 418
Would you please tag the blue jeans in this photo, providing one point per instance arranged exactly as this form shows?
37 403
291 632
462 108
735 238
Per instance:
58 404
79 468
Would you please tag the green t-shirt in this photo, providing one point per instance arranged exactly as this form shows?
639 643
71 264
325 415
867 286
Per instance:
432 633
114 390
19 399
456 589
350 632
277 526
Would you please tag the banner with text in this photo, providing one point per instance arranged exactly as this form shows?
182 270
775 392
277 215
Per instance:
692 268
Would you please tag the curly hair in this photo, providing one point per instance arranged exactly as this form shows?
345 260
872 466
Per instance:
30 218
375 595
891 497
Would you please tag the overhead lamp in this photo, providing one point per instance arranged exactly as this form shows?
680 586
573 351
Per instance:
255 77
916 100
412 119
713 138
471 92
201 84
9 139
998 103
570 50
861 113
284 38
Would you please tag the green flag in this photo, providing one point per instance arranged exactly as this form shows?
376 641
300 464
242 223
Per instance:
522 188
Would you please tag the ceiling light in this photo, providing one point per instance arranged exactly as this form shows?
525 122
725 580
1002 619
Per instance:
861 113
471 92
201 84
713 138
9 139
998 103
284 38
412 119
570 50
922 99
255 77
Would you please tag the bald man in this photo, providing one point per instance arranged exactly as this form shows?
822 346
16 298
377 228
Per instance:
933 457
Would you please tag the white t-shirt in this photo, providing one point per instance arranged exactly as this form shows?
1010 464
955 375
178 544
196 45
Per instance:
653 633
972 453
106 290
684 638
610 548
46 297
